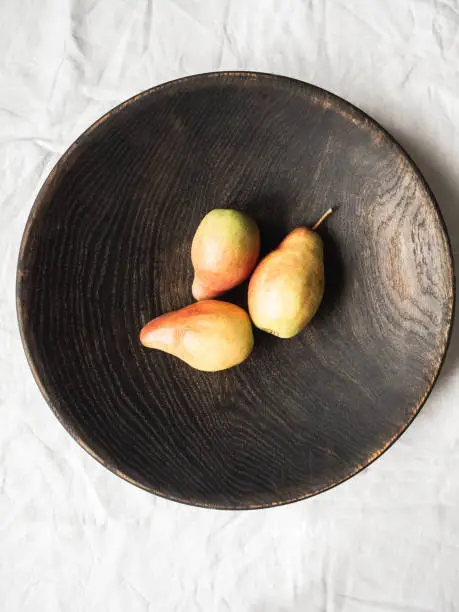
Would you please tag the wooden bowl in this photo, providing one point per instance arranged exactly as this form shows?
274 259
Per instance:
107 247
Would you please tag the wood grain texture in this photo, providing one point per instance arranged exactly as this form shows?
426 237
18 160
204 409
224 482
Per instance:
107 248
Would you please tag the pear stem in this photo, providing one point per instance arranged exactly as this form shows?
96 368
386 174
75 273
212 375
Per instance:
326 214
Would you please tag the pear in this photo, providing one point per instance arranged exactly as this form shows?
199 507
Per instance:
208 335
224 252
287 287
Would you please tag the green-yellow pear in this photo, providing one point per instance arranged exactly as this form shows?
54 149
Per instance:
208 335
287 286
224 252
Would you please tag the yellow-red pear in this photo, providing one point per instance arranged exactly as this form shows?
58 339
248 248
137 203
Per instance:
208 335
224 252
287 287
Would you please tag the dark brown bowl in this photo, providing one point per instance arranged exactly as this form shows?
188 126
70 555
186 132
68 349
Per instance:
107 247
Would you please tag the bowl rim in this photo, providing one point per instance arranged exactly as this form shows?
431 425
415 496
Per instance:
337 102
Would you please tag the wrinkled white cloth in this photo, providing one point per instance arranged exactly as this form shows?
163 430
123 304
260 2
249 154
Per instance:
74 537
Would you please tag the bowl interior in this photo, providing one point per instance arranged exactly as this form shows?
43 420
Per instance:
107 247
